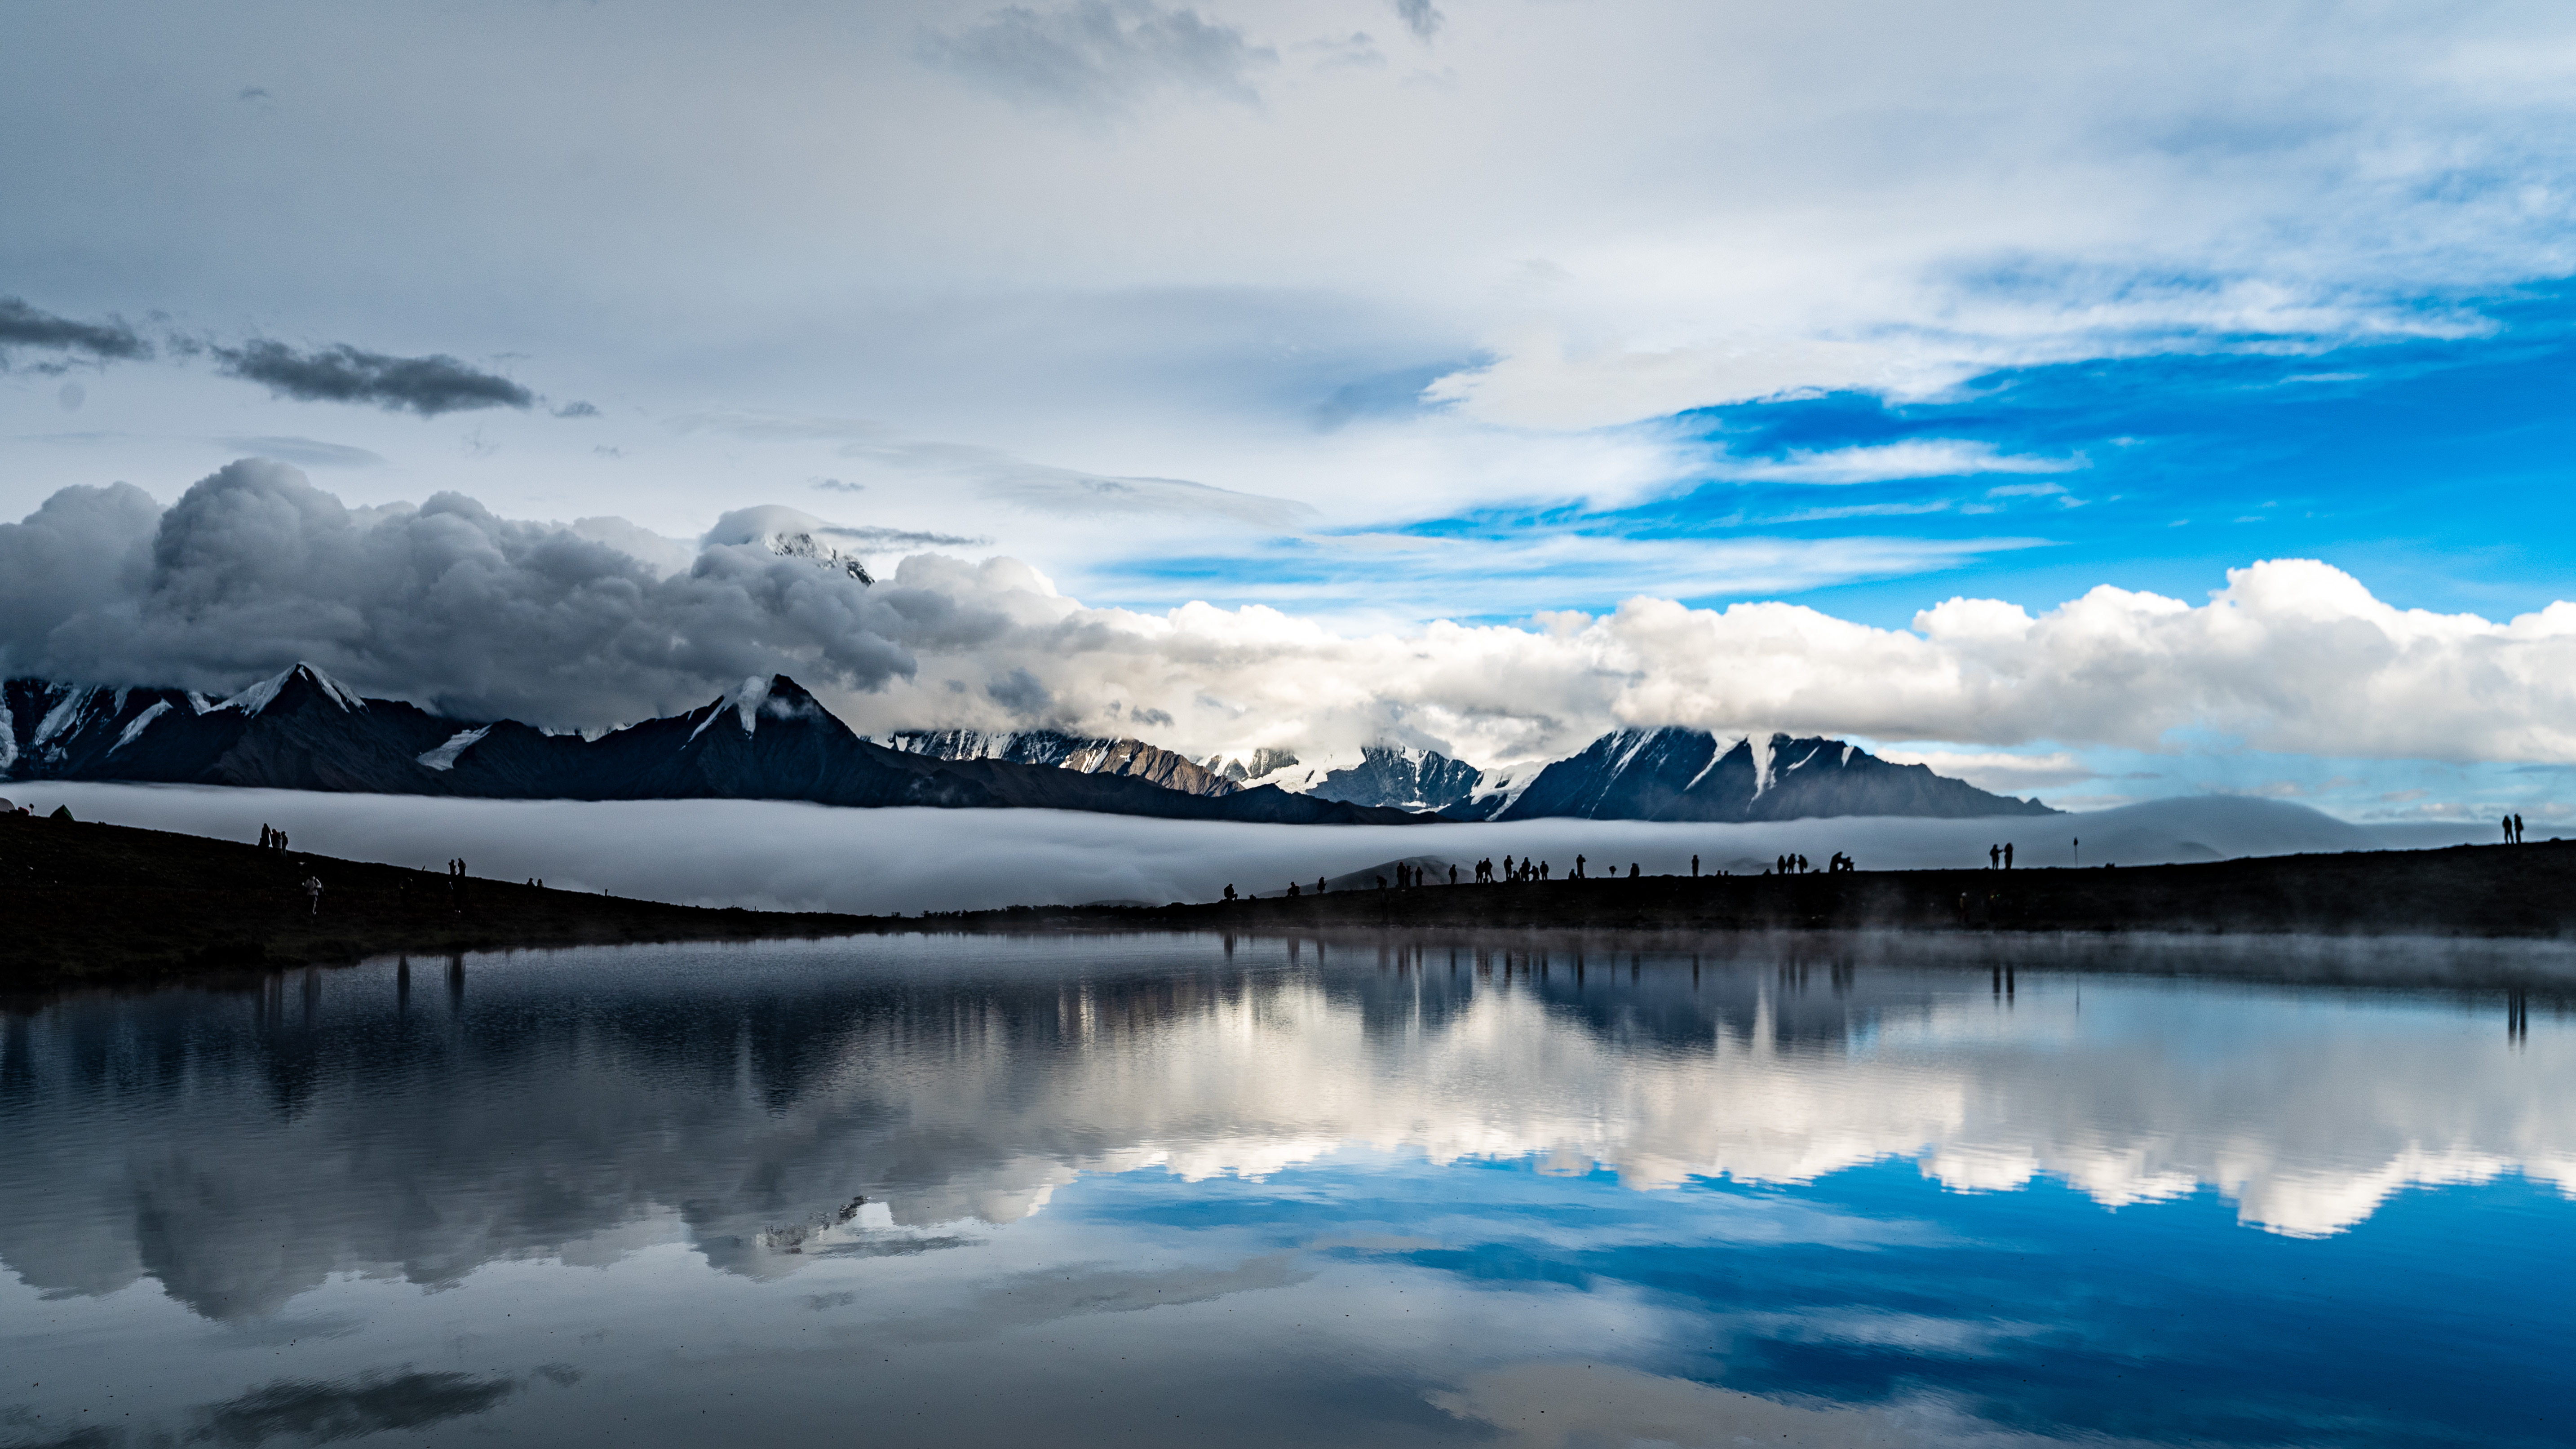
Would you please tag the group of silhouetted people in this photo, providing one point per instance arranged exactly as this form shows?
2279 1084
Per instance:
272 839
2513 830
1999 857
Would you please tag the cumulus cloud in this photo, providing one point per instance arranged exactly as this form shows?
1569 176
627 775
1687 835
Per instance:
1098 57
341 373
1420 16
67 340
445 603
254 568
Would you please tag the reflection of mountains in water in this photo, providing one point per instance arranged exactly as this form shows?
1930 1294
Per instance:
742 1099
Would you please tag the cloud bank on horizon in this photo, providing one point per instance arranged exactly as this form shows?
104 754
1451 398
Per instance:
599 622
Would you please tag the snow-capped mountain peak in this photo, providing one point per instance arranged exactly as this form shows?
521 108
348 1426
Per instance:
263 694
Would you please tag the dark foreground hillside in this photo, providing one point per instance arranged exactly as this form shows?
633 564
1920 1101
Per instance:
82 902
2503 891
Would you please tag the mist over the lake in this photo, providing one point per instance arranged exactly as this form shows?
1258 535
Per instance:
793 856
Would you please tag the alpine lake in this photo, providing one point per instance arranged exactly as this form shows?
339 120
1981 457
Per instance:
1192 1190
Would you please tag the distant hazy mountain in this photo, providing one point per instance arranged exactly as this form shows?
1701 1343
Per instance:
769 741
1086 754
1684 774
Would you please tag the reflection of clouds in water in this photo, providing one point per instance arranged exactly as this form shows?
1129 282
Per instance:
370 1404
1563 1405
737 1098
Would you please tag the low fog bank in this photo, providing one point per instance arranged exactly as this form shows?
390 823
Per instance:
784 855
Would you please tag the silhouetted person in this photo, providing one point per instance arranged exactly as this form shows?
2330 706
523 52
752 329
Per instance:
313 891
2007 855
1994 857
1453 875
1632 870
1292 890
1694 867
1542 870
2508 830
1578 867
1319 885
1507 869
1229 893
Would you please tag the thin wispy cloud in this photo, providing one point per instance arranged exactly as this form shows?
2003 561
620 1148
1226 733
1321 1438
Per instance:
1914 458
303 452
1013 482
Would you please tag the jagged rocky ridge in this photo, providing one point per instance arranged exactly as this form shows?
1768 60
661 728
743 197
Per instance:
769 740
1085 754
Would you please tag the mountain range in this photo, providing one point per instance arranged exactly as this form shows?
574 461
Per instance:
1692 775
768 740
771 740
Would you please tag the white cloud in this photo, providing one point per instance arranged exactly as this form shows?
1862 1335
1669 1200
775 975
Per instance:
1919 458
2005 773
1730 205
255 569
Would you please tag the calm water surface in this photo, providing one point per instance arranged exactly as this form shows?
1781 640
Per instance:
1174 1190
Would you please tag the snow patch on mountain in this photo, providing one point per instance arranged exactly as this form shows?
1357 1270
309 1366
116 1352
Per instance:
59 720
444 757
134 729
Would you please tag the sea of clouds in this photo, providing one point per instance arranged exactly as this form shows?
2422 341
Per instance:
598 622
792 856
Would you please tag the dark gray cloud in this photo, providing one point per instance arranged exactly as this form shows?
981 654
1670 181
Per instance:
1099 57
1421 17
341 373
310 452
254 568
319 1412
577 410
1021 693
69 341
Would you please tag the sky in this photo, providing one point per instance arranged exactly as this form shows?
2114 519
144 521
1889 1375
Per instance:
2102 406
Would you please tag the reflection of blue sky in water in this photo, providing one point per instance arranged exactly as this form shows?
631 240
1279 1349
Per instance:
1159 1195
